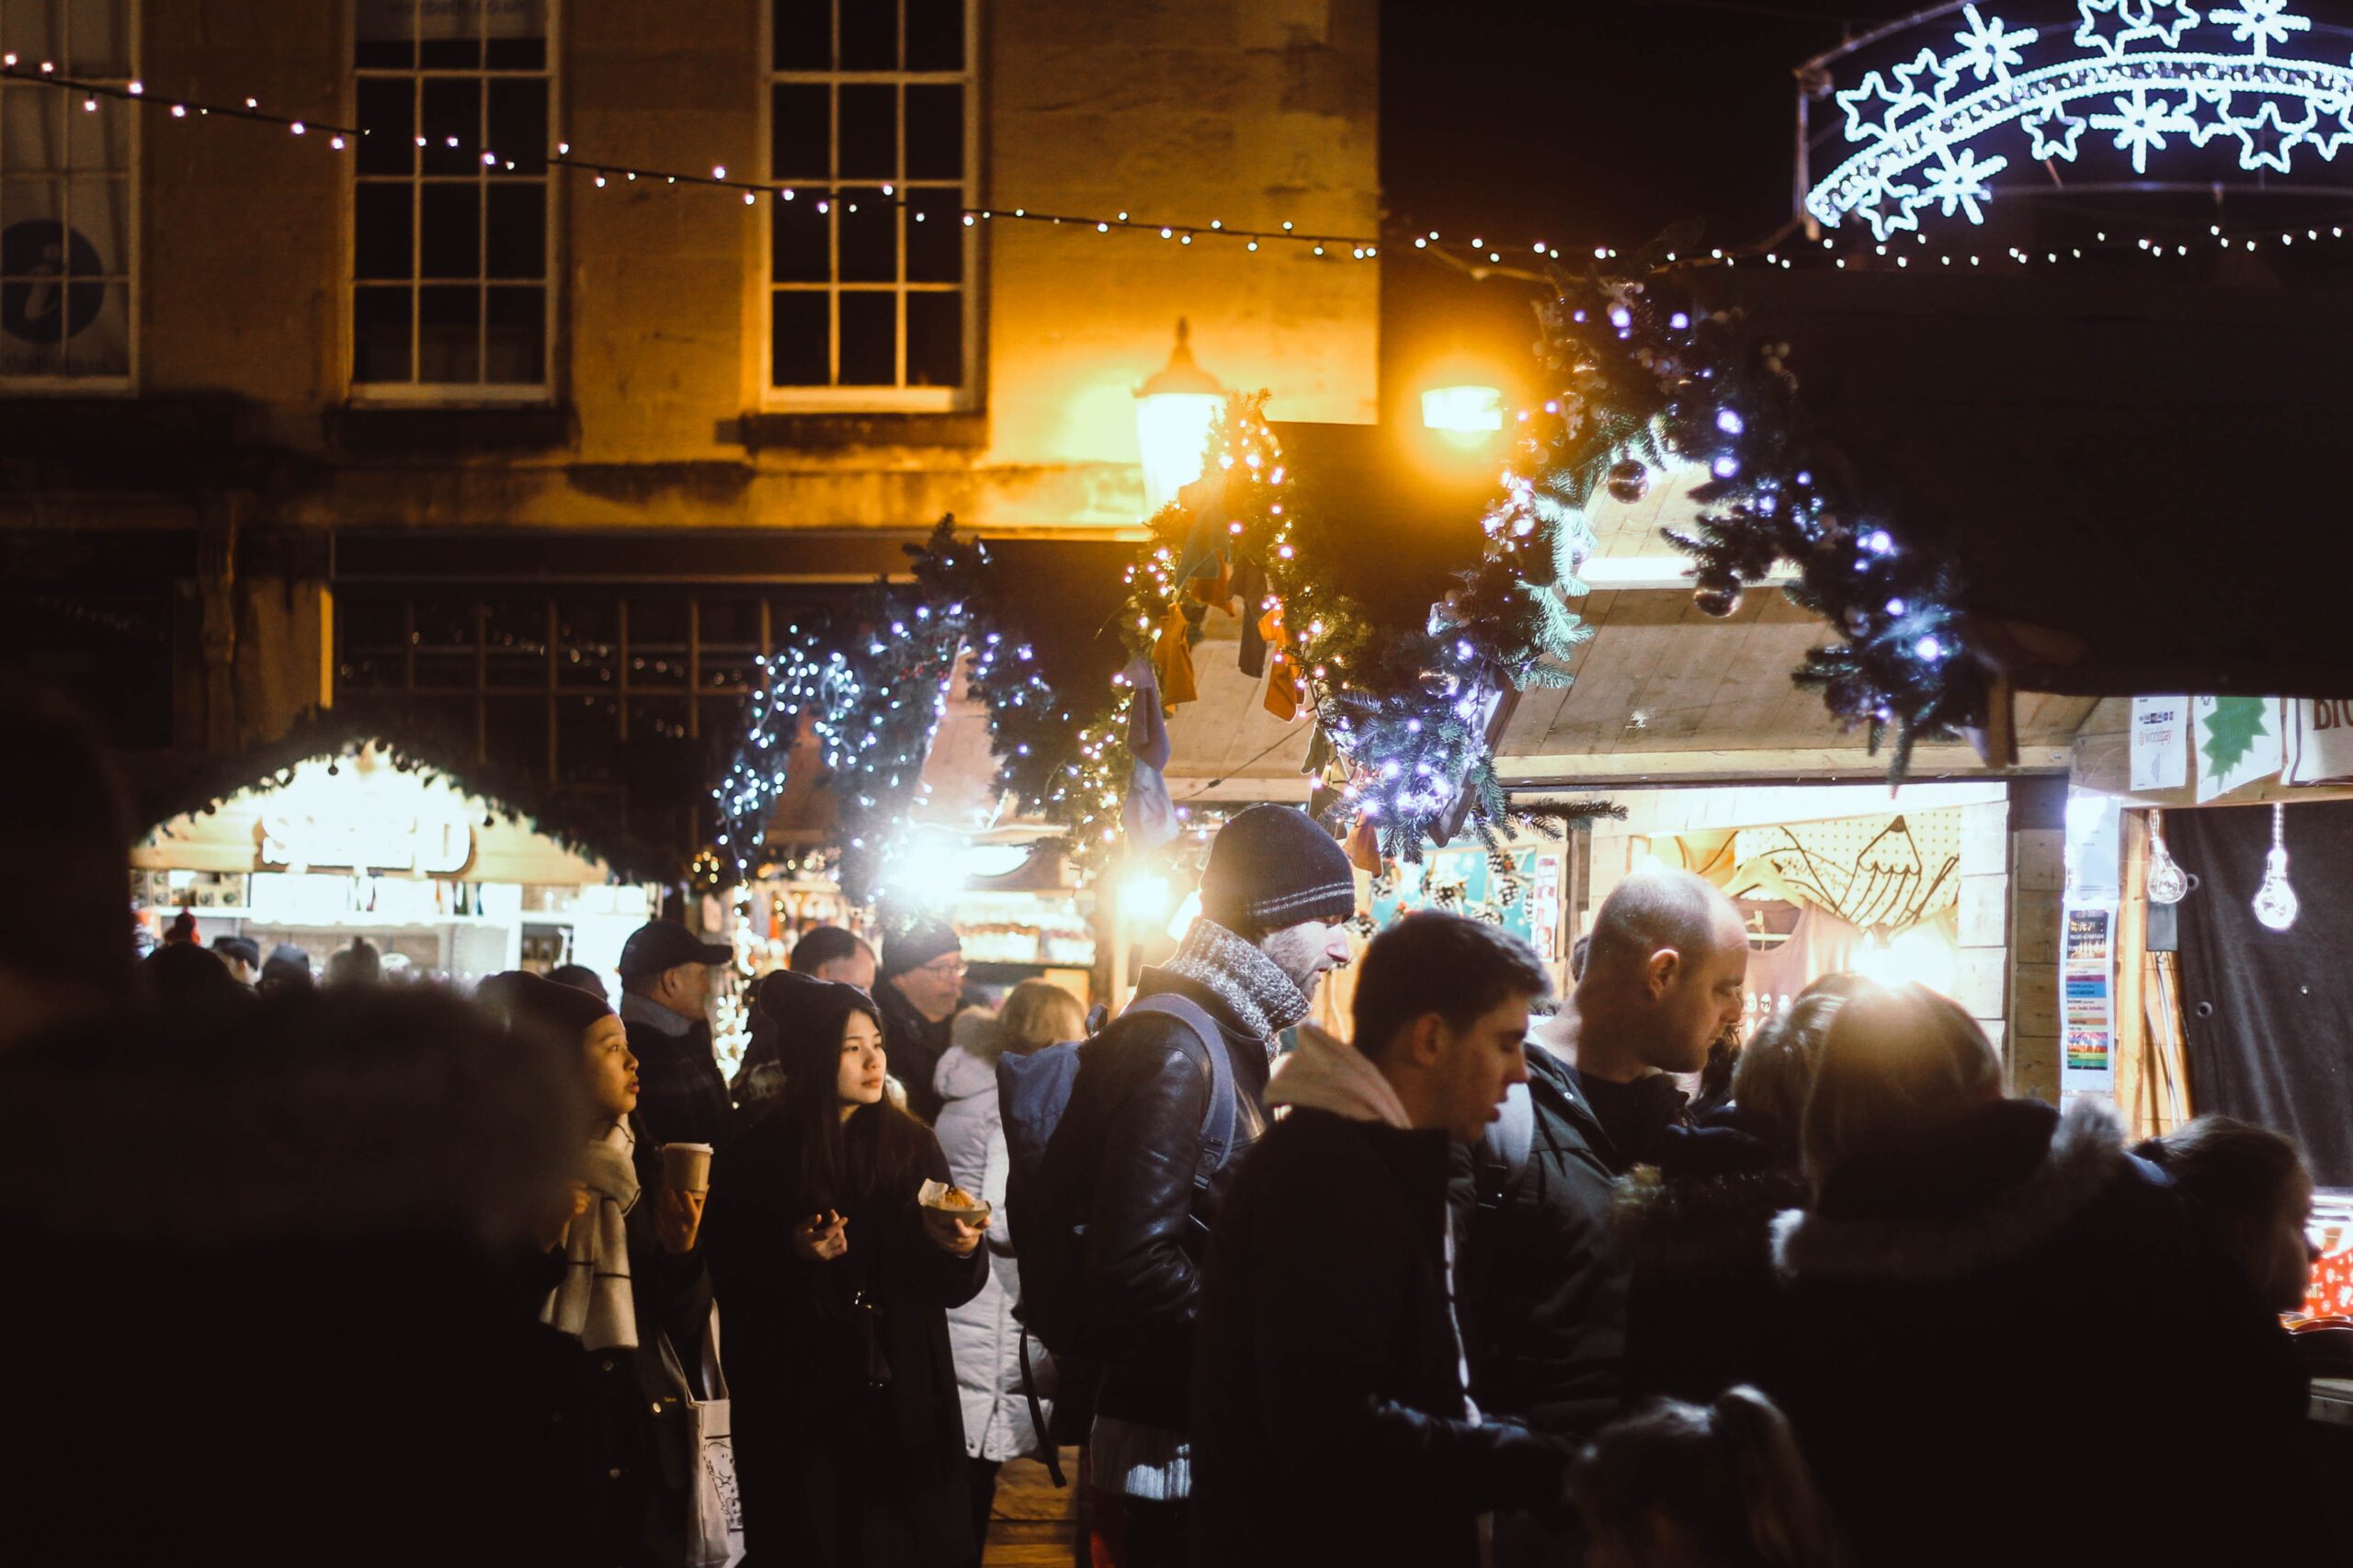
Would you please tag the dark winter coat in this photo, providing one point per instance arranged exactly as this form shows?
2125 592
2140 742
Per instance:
635 1452
1542 1280
682 1095
915 1045
1131 1135
1329 1420
2010 1344
833 1470
1704 1309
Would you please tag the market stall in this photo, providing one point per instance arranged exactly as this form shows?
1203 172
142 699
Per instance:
347 844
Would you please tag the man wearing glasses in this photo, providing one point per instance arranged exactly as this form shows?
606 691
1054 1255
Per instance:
921 987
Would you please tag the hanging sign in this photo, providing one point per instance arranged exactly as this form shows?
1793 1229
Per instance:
2320 741
2238 741
2086 1001
2160 743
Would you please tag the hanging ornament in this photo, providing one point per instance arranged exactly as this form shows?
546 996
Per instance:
1630 481
1364 847
1440 683
2275 901
1717 594
2168 883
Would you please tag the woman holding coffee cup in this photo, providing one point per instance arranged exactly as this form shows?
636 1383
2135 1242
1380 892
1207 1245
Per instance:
628 1270
849 1441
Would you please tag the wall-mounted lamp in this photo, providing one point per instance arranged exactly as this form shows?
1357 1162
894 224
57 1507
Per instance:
1174 412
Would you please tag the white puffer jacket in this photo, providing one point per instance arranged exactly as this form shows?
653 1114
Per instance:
983 1333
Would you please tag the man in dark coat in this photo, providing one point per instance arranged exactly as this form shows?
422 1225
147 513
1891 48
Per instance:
1128 1151
920 991
1543 1281
1332 1421
666 985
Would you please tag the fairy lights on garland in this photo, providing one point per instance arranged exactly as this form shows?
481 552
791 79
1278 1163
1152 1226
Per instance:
1649 380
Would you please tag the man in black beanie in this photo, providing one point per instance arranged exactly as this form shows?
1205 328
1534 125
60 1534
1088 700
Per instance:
920 989
1127 1156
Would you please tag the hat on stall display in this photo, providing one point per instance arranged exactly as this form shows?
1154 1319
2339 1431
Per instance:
660 945
1275 866
918 945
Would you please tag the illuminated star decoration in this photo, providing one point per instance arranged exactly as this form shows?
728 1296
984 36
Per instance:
2262 150
2262 23
1940 76
2209 114
1856 101
2142 125
2168 19
1988 48
2332 126
2110 24
2056 132
1891 208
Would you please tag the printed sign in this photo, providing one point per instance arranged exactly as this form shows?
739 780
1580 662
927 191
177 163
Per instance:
2087 1003
2320 741
2160 743
2238 742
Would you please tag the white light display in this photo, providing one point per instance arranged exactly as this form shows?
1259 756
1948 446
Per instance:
2123 76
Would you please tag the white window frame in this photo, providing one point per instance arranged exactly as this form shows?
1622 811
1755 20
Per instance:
414 393
871 399
125 385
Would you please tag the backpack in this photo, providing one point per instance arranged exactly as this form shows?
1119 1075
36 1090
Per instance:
1048 1217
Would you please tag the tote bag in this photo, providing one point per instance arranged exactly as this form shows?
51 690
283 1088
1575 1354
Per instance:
715 1505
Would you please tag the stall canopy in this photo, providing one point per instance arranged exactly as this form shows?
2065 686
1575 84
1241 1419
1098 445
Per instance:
335 795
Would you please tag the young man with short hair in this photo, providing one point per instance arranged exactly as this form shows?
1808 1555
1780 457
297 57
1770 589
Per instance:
665 973
1331 1412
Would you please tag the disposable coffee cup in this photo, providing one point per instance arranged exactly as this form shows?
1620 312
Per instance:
686 1167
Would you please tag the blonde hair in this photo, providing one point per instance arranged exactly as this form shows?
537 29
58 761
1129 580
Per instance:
1728 1477
1039 1013
1776 1068
1897 1060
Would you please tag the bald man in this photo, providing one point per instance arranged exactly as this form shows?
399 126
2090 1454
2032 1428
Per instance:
1542 1286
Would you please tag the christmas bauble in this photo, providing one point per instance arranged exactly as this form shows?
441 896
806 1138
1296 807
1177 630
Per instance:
1440 683
1628 481
1717 595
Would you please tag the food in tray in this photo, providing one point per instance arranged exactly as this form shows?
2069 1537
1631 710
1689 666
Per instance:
942 1198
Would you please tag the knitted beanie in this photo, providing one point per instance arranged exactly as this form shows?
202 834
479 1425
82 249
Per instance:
1273 866
918 945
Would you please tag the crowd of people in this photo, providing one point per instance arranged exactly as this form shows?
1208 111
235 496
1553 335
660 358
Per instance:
371 1272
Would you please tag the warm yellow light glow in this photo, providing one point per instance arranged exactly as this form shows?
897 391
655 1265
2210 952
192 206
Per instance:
1469 411
1143 898
1174 412
1920 956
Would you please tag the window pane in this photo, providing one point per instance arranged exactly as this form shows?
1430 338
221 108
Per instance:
869 148
381 214
657 719
442 645
804 35
935 35
869 34
934 236
587 736
98 212
373 654
384 54
516 54
870 339
515 328
519 231
800 133
515 642
515 732
380 325
27 29
935 340
98 39
935 133
870 231
449 53
388 114
587 642
657 641
98 139
449 230
519 124
800 338
453 109
803 242
99 343
448 334
32 132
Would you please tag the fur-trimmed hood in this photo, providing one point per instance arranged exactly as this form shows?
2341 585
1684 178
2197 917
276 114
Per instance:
1990 1189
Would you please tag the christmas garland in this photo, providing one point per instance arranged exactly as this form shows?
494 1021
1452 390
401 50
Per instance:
1649 380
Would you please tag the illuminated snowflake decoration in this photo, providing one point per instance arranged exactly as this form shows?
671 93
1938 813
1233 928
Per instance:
2148 79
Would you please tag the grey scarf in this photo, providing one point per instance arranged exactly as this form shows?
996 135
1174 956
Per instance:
593 1304
1264 1000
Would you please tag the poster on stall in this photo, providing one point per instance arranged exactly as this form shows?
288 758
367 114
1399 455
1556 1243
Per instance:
2320 741
2160 743
1463 881
2088 1002
2237 739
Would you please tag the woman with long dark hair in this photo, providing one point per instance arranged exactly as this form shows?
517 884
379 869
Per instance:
849 1444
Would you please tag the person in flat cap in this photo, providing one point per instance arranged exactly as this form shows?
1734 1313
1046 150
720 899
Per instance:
1273 898
665 985
920 991
242 955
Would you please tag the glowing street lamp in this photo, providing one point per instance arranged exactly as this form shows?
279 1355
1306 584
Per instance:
1174 412
1465 415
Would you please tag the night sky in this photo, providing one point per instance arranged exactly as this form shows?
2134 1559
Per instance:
1593 122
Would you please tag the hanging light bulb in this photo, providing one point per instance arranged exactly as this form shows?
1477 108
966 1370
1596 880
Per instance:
2275 901
2168 883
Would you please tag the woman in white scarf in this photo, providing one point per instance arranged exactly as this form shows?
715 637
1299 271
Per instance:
631 1272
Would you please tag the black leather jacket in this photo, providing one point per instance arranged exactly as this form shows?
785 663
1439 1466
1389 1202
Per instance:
1141 1093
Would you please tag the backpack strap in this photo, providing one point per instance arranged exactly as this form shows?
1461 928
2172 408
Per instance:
1218 1124
1038 1424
